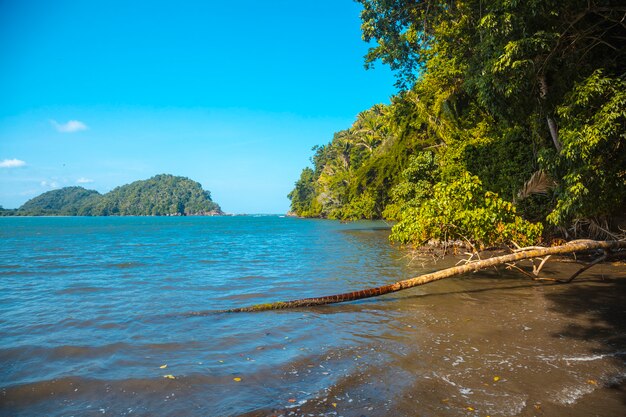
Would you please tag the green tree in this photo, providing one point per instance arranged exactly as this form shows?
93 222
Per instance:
495 95
303 195
593 158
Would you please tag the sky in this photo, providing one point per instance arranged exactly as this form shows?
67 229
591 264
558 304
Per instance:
230 94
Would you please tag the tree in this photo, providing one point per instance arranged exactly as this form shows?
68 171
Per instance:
593 158
502 85
303 195
499 91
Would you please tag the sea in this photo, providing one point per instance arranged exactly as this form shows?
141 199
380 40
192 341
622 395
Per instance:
124 316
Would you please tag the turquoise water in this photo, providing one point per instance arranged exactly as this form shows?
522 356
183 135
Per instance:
91 308
95 320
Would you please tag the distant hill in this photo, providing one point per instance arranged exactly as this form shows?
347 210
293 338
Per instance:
66 201
162 195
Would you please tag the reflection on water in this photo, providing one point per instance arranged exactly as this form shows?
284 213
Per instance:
93 315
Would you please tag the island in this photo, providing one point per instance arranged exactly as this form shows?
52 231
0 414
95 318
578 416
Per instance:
161 195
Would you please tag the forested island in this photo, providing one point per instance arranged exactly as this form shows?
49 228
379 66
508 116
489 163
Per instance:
509 125
161 195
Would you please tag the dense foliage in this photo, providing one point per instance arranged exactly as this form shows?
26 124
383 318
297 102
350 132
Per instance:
158 196
67 201
462 209
511 118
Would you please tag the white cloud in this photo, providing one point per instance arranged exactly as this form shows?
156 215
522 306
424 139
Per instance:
49 184
83 180
12 163
69 127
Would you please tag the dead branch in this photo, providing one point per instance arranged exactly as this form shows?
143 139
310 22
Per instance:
517 268
537 270
589 265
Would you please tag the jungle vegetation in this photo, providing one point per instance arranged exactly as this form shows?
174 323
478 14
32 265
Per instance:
509 124
160 195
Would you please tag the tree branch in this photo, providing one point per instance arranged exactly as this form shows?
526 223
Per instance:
589 265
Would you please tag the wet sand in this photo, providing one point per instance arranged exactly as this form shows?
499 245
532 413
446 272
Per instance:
488 344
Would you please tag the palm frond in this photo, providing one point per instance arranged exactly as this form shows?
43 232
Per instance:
539 183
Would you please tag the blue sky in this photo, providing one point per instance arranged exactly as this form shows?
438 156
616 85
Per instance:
230 94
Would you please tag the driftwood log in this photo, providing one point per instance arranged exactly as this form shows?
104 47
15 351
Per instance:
518 255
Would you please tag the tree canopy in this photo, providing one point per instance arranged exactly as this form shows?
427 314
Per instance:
521 105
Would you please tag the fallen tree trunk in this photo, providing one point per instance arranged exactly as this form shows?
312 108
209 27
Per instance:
534 252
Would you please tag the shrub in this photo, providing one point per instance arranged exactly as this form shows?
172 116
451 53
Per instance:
463 210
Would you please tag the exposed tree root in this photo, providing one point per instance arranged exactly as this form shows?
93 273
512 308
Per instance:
472 266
